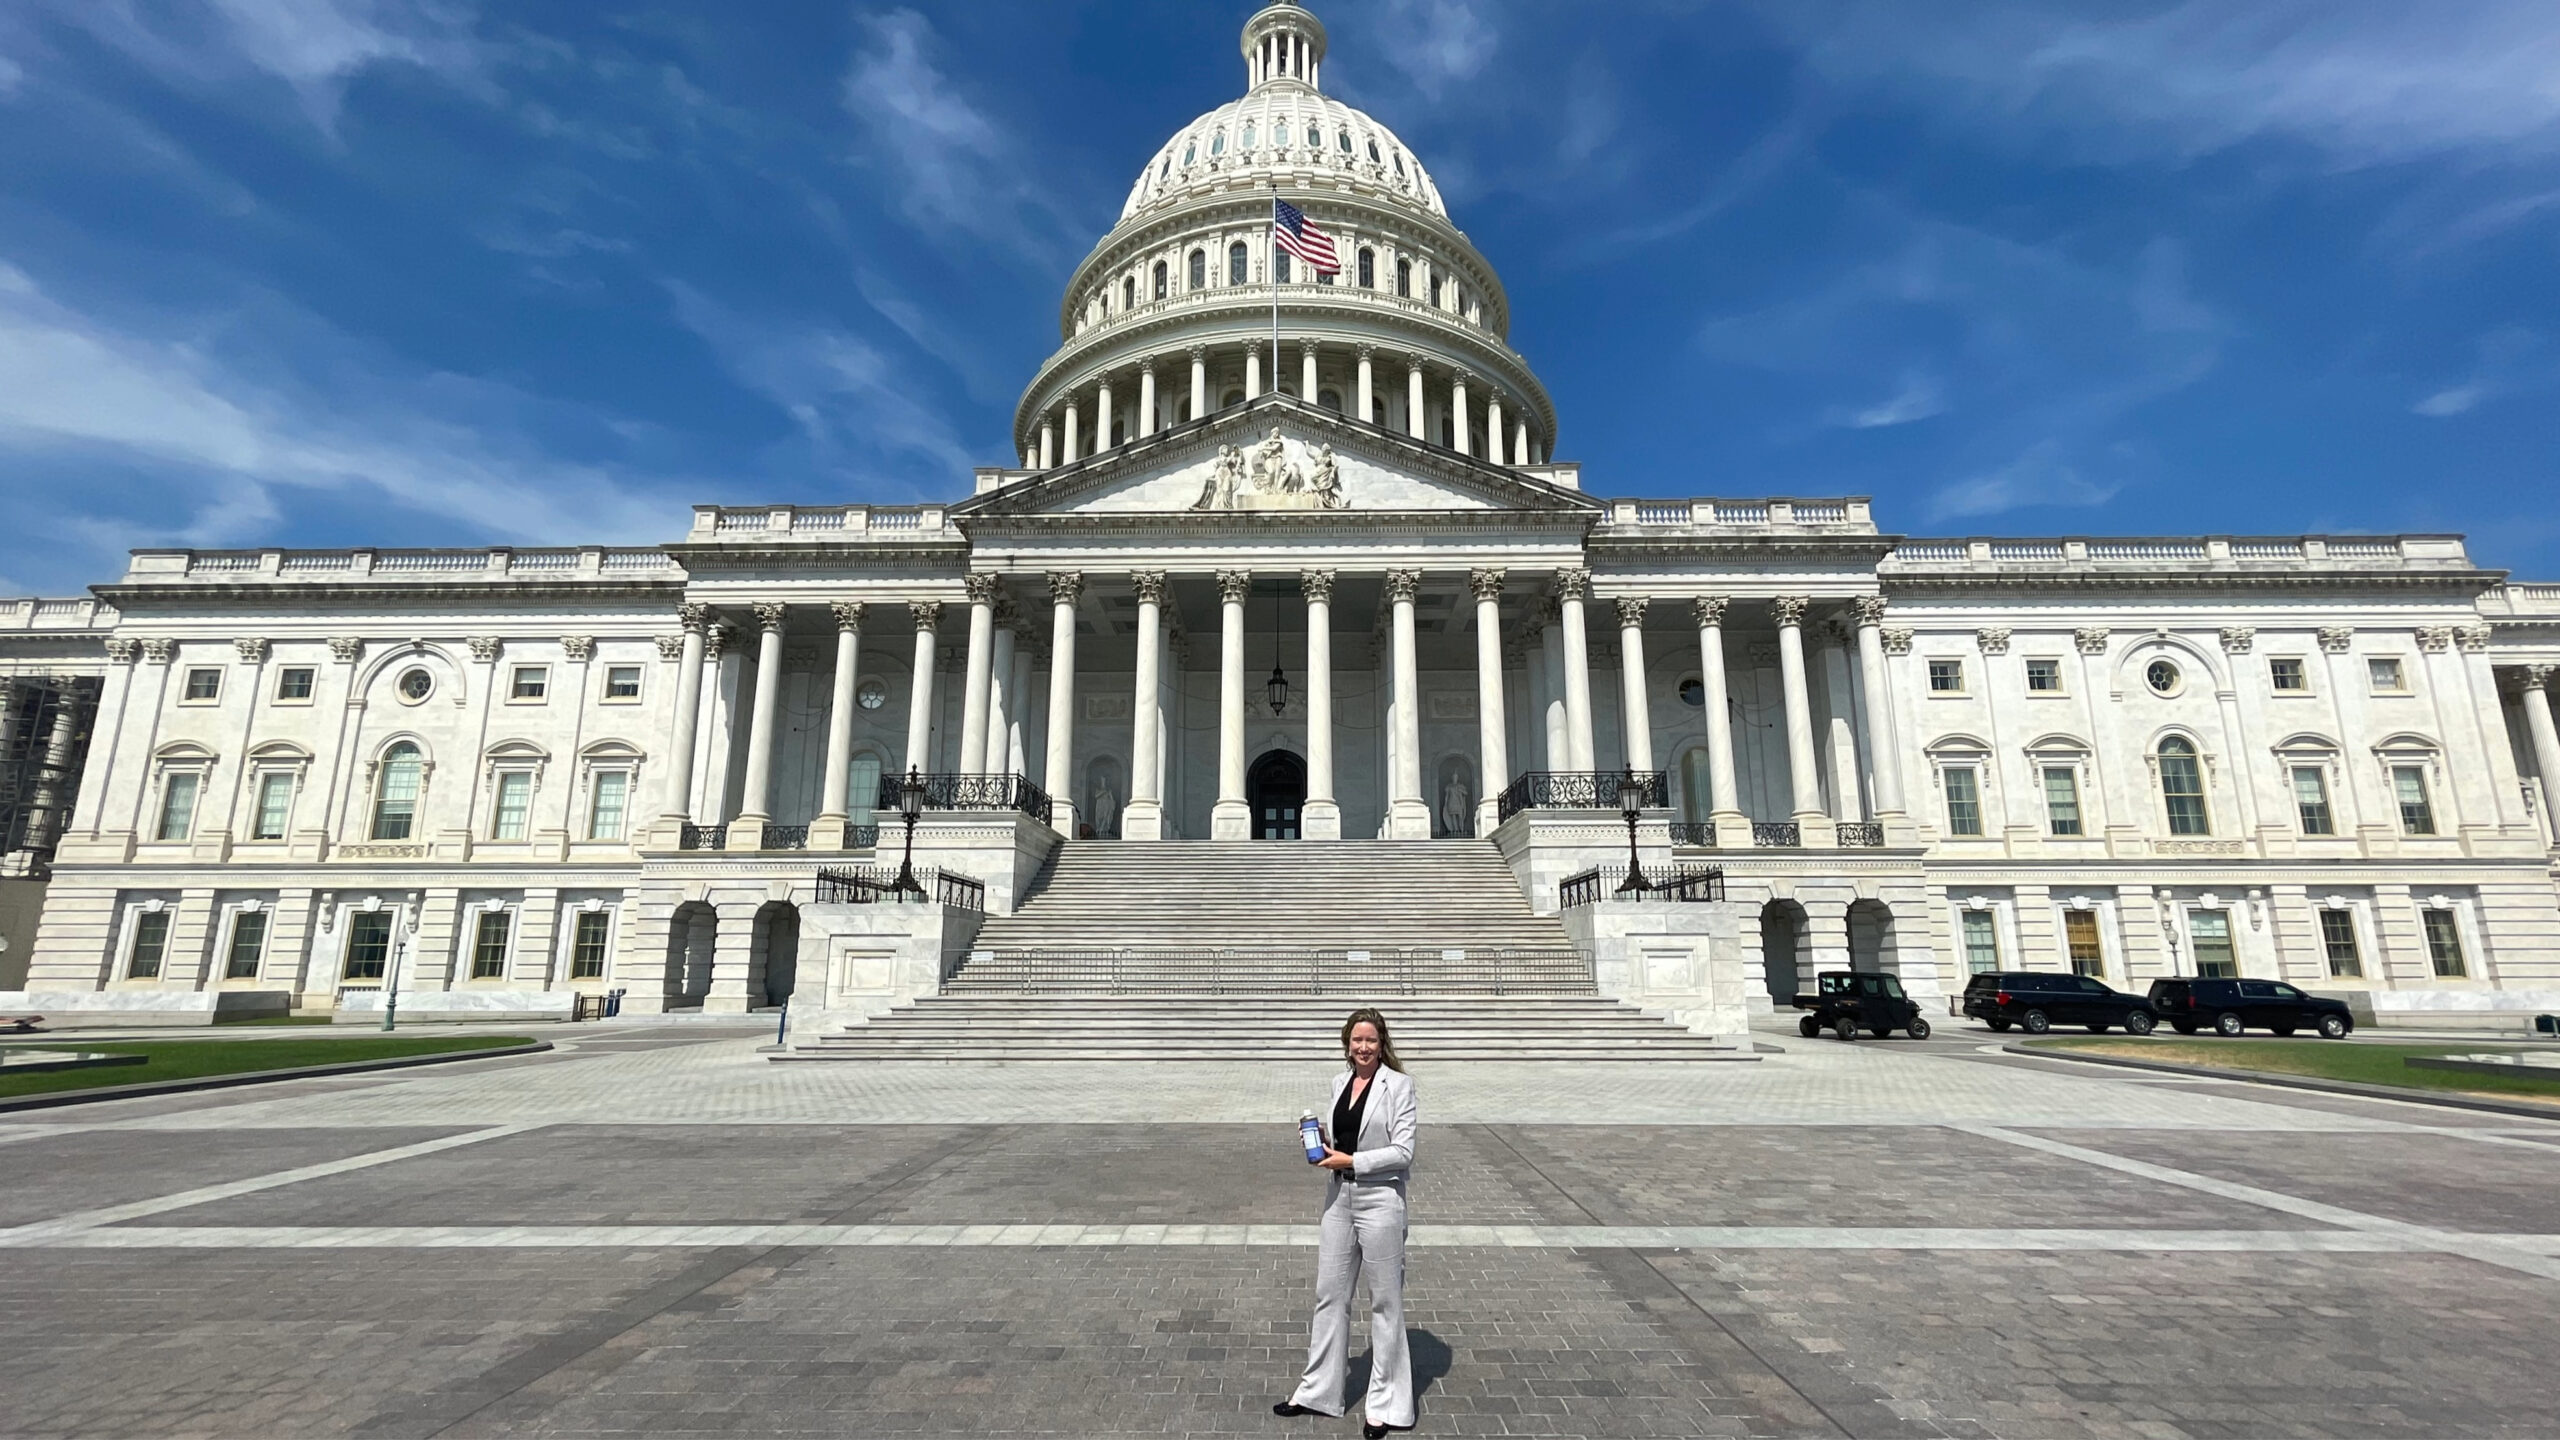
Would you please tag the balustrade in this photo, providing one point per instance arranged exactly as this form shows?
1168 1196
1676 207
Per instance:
1861 835
1777 834
1579 790
990 791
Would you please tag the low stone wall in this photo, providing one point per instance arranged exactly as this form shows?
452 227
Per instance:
458 1006
2466 1008
858 962
94 1009
1684 960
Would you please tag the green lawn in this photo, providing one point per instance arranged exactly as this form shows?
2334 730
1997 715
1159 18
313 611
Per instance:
2369 1063
189 1059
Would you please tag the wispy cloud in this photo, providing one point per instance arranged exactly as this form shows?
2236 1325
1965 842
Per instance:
2039 478
956 170
1439 43
1918 398
2504 364
314 47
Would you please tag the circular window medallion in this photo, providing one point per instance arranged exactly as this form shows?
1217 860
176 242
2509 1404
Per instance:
416 685
872 695
2161 676
1693 692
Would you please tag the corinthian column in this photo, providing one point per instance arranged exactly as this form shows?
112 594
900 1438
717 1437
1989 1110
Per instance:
747 833
1635 702
1572 588
1321 818
1307 371
928 615
1413 425
1003 697
1368 386
1493 738
1408 818
1458 412
1884 747
2536 696
678 805
1802 767
979 679
1732 826
1102 416
1199 381
832 804
1493 427
1231 818
1143 817
1146 399
1058 773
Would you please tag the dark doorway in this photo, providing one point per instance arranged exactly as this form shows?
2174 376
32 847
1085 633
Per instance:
1276 788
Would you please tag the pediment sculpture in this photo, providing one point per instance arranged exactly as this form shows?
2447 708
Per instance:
1276 474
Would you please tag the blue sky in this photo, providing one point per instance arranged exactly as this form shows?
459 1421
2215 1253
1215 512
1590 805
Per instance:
317 272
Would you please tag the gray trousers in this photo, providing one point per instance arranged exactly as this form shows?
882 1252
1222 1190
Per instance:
1362 1235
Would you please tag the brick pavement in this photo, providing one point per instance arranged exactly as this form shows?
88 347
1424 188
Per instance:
1871 1240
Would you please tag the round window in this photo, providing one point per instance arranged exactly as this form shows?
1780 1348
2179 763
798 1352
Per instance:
416 685
2161 676
872 695
1693 692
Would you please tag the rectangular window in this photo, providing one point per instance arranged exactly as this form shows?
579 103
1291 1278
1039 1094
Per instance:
489 945
2388 677
248 943
2182 793
531 682
2211 930
2409 786
2080 935
2311 800
204 686
612 799
586 948
515 806
1964 801
368 944
1981 942
622 682
178 804
2044 677
2444 943
275 807
294 682
150 944
2062 799
2338 937
1946 677
2285 675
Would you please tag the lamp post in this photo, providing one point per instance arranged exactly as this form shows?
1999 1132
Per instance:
910 806
391 971
1631 805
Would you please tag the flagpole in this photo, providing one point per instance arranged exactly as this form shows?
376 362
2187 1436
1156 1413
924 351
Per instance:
1272 262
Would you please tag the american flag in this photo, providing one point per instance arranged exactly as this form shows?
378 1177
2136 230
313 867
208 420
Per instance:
1291 229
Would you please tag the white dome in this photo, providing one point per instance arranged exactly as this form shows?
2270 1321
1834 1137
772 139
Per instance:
1281 129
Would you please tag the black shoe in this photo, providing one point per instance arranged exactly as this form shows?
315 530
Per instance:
1376 1432
1287 1411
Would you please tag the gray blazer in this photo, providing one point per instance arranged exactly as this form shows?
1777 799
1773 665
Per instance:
1383 1150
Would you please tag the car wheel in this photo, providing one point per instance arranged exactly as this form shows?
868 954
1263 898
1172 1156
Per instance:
1848 1028
2183 1027
1999 1027
2282 1030
1808 1027
1919 1028
2137 1023
2097 1027
2035 1022
2333 1027
2226 1024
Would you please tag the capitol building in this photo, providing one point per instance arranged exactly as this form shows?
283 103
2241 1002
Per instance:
1243 624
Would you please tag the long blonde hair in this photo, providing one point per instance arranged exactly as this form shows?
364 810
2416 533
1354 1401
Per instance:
1386 1042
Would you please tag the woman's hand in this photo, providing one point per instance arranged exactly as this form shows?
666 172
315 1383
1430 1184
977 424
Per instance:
1335 1160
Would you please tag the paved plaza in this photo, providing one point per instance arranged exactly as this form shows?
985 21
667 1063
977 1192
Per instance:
657 1230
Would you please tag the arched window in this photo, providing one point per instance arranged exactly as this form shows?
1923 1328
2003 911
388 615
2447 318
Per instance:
1330 399
1189 151
1218 143
1404 278
1231 399
1435 292
1315 137
395 793
1374 157
1160 279
1399 163
1236 263
2182 788
1129 293
1343 138
1368 269
1280 266
1247 142
1199 269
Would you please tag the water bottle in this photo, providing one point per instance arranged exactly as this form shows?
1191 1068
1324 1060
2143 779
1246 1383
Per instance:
1311 1135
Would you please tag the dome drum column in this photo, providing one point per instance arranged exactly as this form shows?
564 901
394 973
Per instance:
1458 438
1368 394
1199 381
1307 371
1102 416
1413 402
1146 399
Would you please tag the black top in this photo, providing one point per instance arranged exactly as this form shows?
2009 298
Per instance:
1347 1112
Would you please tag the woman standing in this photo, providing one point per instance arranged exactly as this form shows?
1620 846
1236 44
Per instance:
1367 1158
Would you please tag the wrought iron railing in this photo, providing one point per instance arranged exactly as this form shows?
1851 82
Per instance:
703 837
1690 884
1777 834
878 885
1578 790
1861 835
784 837
991 791
1695 834
1255 971
861 837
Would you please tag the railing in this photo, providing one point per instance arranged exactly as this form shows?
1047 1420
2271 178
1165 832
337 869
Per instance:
972 792
1695 834
2026 550
1911 551
1684 884
1861 835
784 837
528 560
703 837
1351 973
1577 790
878 885
1777 834
861 837
636 560
1742 514
1816 512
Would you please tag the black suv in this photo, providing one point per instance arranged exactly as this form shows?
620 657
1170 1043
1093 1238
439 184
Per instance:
2037 1000
2231 1006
